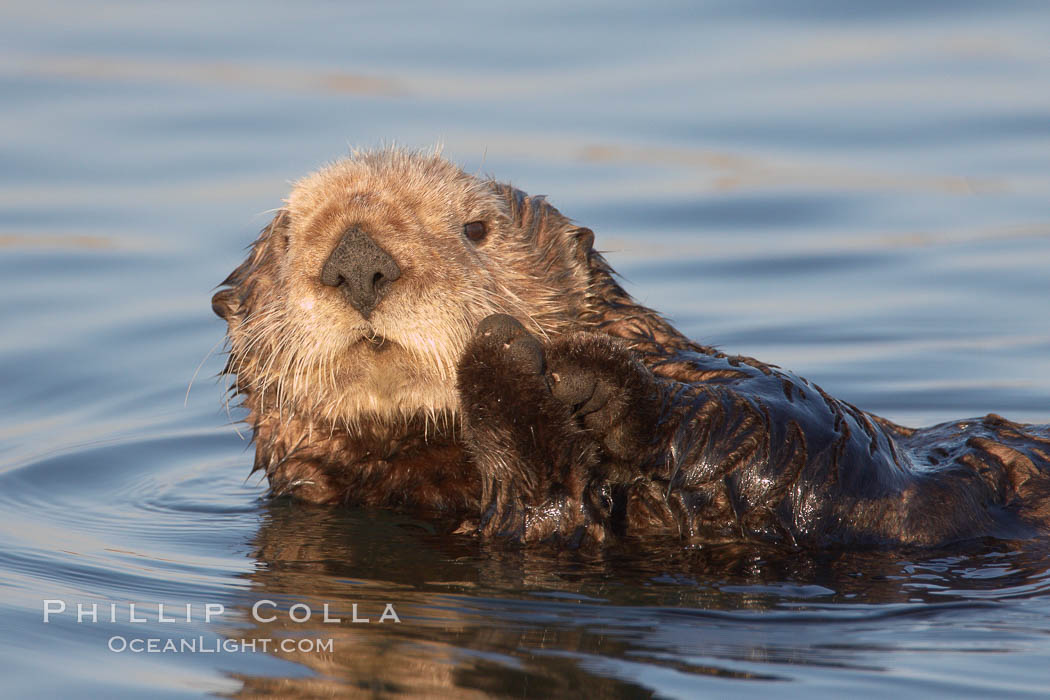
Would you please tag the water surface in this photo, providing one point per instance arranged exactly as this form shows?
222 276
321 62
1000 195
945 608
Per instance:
855 191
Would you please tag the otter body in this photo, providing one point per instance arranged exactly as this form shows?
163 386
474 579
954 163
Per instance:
406 335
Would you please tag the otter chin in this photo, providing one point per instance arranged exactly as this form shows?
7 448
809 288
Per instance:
405 335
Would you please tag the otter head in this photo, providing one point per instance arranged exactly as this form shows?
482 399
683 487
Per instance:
357 300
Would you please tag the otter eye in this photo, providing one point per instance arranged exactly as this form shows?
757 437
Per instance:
475 231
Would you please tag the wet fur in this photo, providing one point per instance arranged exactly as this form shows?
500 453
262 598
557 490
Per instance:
515 385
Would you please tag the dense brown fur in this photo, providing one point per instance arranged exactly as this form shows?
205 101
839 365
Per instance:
513 383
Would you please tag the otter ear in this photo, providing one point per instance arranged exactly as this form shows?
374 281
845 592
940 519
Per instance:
224 303
228 302
584 242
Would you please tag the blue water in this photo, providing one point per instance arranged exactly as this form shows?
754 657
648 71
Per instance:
857 191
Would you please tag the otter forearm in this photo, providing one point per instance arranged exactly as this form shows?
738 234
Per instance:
533 460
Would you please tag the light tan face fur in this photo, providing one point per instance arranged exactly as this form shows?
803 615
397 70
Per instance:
300 346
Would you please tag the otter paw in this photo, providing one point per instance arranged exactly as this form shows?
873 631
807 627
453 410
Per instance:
606 389
501 373
505 333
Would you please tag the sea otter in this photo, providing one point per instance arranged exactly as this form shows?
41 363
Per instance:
404 334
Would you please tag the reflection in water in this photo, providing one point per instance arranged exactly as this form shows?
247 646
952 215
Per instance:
496 620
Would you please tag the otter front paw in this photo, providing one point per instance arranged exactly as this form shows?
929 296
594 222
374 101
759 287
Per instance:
505 334
502 366
525 443
612 394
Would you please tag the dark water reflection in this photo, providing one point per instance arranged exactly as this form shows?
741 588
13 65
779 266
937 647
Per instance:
856 191
499 620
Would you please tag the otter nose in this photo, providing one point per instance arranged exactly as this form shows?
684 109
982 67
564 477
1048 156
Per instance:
361 269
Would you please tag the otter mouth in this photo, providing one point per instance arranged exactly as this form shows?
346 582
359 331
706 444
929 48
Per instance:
372 342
